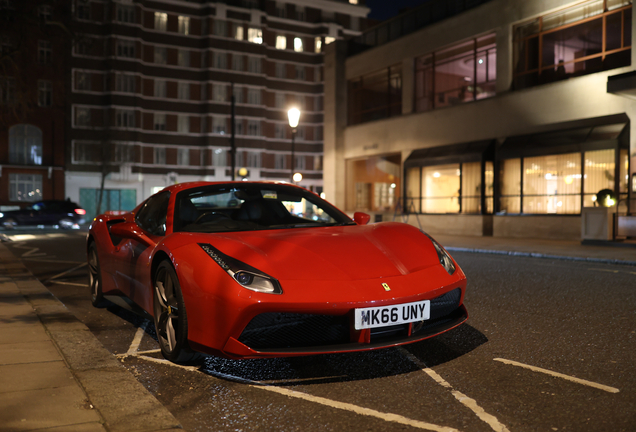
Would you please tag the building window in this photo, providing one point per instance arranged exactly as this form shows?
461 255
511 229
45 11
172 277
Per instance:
280 10
300 73
183 156
159 121
279 100
25 187
44 13
238 32
160 88
183 124
253 127
552 184
220 60
25 145
45 93
124 153
125 118
160 156
253 96
238 94
83 10
376 96
237 62
183 58
44 52
300 13
184 25
329 39
280 131
161 21
82 81
586 38
161 55
220 93
219 125
280 70
238 127
280 161
254 64
298 44
126 13
318 44
183 91
125 83
281 42
220 28
219 157
462 73
299 163
253 159
82 116
7 91
374 184
126 48
255 35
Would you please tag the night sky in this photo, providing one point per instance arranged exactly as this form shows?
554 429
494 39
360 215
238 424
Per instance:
385 9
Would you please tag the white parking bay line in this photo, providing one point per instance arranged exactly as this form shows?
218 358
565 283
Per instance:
394 418
389 417
134 346
560 375
470 403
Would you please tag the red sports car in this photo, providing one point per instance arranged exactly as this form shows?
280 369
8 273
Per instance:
249 270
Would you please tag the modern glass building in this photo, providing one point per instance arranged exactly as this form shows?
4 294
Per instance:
485 117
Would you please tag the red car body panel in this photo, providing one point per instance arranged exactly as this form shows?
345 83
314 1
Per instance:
322 270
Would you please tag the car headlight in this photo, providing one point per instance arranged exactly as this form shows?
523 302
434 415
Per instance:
244 274
444 258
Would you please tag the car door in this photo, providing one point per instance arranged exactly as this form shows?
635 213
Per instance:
132 257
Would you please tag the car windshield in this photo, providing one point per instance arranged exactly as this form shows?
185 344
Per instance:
222 208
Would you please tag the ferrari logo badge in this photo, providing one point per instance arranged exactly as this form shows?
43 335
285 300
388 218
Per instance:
386 287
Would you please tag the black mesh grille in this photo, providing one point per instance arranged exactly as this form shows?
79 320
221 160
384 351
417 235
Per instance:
291 330
271 331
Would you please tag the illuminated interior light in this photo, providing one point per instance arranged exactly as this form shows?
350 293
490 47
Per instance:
436 174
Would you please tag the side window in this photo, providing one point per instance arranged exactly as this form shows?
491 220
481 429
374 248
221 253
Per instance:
152 216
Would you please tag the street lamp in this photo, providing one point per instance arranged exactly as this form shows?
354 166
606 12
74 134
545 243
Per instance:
294 116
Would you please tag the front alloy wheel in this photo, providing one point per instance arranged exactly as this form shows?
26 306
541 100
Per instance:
170 317
95 278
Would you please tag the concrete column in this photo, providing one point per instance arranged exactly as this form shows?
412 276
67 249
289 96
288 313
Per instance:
408 85
504 59
335 122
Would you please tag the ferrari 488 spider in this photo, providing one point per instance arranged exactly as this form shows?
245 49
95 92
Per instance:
249 270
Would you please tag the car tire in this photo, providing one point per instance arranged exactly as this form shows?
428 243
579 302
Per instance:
95 278
9 223
171 321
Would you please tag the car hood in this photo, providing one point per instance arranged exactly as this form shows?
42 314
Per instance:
329 253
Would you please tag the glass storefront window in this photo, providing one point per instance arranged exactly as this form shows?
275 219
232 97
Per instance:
589 37
510 186
552 184
471 187
600 170
373 184
461 73
440 189
413 193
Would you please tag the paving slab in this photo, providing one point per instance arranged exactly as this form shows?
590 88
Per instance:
45 408
28 352
84 427
35 376
135 409
18 332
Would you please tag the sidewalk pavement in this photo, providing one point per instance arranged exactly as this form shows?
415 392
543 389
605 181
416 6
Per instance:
55 374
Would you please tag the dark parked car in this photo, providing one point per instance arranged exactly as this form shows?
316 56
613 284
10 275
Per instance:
65 214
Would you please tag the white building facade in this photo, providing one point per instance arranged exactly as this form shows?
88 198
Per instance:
497 117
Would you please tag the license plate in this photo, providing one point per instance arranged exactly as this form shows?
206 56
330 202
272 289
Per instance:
383 316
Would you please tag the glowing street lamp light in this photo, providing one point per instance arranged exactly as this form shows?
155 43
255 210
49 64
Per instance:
294 117
298 177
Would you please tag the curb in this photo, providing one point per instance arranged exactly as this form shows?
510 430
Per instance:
122 402
541 255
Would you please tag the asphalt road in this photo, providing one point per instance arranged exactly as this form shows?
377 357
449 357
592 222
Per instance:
549 346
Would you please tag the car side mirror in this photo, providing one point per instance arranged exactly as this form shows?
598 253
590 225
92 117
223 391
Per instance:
361 218
130 230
